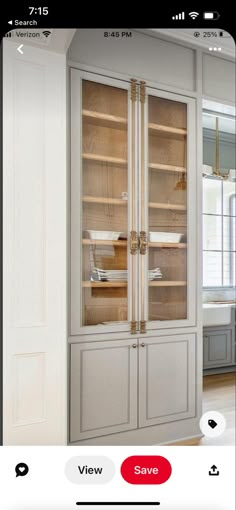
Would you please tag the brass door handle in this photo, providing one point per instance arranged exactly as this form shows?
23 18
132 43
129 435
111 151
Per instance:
134 346
142 344
143 242
134 242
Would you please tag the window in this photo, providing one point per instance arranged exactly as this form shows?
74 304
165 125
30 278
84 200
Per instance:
219 195
219 236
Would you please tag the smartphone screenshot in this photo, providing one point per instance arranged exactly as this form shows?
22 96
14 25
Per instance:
118 345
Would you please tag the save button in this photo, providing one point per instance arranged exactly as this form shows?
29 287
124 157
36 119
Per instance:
146 469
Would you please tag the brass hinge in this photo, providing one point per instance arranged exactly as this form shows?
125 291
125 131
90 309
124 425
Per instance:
134 242
143 242
133 327
133 90
142 91
143 327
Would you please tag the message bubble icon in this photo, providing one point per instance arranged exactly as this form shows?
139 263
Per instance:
21 469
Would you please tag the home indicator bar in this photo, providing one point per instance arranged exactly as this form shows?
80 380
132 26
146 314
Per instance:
120 503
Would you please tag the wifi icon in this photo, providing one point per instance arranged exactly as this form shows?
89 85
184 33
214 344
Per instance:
193 15
46 33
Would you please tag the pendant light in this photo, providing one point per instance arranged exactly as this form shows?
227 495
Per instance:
216 172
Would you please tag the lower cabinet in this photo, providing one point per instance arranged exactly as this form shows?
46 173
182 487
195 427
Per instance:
103 388
122 385
166 379
217 348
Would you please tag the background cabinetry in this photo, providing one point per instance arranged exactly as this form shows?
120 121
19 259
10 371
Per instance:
219 346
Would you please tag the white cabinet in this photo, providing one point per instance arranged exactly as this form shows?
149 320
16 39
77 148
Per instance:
166 379
103 388
133 261
123 385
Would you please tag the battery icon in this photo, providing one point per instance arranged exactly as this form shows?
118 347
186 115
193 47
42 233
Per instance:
211 15
224 34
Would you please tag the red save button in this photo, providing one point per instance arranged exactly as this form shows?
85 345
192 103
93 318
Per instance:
146 469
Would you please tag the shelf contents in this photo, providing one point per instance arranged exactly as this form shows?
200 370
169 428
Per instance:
105 235
103 275
165 237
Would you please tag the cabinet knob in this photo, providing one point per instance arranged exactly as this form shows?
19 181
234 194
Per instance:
142 344
134 346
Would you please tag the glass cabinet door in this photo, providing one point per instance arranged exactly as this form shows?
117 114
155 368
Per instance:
104 204
167 209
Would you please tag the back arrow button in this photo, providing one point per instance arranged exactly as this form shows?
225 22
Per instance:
19 49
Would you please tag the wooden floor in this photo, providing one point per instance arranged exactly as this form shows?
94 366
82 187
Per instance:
218 395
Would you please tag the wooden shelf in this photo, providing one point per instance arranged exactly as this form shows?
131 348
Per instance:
104 242
102 200
158 128
104 284
103 119
172 207
167 245
119 201
105 159
163 283
167 168
153 283
122 243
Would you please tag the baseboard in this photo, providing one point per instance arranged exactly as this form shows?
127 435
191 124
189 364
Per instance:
221 370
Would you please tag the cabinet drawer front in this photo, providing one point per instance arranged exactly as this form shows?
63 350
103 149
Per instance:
103 388
167 379
217 349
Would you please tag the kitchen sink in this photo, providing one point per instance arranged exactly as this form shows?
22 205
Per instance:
216 314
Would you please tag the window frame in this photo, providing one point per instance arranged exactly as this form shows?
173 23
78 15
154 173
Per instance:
222 251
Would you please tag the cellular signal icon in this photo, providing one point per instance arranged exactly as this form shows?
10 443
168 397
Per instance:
181 15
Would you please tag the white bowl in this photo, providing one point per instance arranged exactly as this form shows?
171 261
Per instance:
104 235
207 169
164 237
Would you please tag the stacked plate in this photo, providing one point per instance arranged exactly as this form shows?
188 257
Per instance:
112 275
105 235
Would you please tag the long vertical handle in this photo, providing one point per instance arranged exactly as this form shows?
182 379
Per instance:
143 234
133 233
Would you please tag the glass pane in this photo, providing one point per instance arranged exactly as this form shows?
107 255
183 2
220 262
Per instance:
227 267
233 269
212 232
212 196
167 276
212 269
105 204
229 202
227 233
233 233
